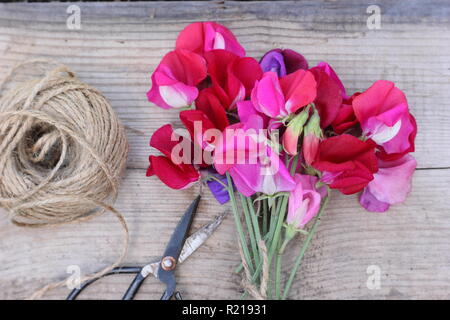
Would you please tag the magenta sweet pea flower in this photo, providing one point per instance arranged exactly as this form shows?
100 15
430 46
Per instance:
175 79
277 98
283 62
249 159
201 37
390 185
304 201
267 96
383 113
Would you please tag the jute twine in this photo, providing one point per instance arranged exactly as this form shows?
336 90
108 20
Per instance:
62 152
247 282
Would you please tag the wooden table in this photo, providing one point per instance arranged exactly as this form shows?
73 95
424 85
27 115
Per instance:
116 50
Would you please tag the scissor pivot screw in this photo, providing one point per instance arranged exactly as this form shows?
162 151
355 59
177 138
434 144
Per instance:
168 263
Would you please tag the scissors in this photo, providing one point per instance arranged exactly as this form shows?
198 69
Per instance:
179 248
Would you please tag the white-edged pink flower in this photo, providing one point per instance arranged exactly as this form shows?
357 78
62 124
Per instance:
175 79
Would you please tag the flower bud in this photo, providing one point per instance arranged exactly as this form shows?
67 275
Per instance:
311 139
293 132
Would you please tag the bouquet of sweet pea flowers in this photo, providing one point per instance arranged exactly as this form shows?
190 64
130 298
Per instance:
273 138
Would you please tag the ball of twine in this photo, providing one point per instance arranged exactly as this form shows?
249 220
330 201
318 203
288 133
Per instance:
62 150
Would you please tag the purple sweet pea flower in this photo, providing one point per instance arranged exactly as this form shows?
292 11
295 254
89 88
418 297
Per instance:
218 190
283 62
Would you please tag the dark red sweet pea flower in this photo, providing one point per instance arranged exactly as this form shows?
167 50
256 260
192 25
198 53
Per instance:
330 71
193 118
347 163
232 77
345 118
329 96
201 37
174 175
283 62
208 102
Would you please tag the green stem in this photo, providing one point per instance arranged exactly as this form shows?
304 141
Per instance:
294 165
278 276
251 232
305 246
217 180
275 237
237 220
265 217
287 239
279 224
255 222
273 218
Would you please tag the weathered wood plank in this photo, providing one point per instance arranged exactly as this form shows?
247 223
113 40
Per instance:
116 50
409 244
118 47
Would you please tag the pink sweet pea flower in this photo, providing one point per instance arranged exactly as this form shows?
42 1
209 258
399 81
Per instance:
267 96
277 98
259 169
304 201
391 184
201 37
382 111
299 89
175 79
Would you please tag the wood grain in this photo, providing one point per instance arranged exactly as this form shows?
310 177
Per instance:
116 50
409 244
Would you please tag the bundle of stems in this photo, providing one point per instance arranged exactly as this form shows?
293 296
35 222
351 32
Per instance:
262 219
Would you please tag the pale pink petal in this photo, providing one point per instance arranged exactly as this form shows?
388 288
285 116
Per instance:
370 203
178 95
314 200
392 182
304 202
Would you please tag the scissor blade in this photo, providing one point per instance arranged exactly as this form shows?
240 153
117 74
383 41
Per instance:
197 239
174 247
180 233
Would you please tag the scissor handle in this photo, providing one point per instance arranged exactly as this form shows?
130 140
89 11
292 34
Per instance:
134 287
119 270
